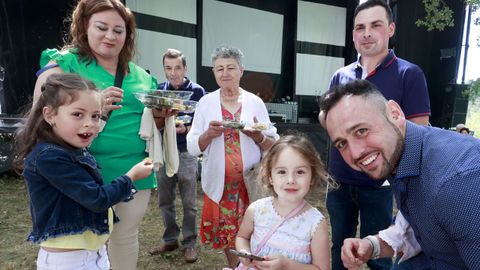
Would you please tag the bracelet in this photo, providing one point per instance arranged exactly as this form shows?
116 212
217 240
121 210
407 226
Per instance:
375 245
263 139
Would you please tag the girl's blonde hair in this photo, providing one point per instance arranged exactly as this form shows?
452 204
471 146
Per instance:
300 143
59 89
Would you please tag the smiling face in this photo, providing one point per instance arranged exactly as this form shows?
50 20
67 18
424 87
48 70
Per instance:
371 32
227 73
291 175
369 138
77 123
174 71
106 34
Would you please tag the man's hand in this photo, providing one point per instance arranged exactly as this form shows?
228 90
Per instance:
355 252
163 113
181 129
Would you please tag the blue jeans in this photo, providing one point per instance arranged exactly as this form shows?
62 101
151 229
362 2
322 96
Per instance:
374 204
186 178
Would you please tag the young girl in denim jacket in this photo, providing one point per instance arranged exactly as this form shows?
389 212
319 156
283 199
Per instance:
69 204
285 231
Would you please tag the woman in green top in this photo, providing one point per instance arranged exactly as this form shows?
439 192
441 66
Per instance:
101 46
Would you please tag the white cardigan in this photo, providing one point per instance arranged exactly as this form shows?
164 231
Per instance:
213 162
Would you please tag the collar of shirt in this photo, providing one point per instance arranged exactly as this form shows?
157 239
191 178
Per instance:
387 61
411 159
185 85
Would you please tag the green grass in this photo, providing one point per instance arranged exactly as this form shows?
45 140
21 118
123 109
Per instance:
16 253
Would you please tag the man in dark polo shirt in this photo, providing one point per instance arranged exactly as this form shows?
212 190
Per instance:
398 80
175 67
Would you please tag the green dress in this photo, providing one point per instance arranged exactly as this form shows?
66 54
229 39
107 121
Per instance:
118 147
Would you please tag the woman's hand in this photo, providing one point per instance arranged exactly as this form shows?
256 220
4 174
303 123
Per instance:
256 135
111 96
214 130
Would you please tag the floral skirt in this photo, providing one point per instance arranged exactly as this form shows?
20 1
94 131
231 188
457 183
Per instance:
220 222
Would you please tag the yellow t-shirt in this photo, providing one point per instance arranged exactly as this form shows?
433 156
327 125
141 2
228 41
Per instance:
87 240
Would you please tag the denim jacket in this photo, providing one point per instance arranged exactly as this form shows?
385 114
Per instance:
67 194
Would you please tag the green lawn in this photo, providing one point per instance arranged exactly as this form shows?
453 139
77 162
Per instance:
16 253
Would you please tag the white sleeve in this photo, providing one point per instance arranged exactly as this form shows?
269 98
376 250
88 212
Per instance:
401 238
196 130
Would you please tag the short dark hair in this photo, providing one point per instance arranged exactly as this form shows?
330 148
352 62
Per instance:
174 54
464 128
362 88
373 3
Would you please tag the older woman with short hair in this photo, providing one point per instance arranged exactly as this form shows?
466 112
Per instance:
227 152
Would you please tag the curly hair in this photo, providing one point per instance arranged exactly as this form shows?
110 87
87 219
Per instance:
300 143
78 38
58 90
225 51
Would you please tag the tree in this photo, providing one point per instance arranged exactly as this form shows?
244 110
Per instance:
438 17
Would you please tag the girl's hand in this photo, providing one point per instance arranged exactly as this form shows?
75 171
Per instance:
141 170
272 263
247 262
111 95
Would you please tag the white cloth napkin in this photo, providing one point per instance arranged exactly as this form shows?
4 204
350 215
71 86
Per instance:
170 150
167 156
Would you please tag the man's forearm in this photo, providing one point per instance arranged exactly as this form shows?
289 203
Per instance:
385 249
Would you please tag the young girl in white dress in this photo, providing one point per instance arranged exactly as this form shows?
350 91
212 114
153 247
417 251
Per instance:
284 230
